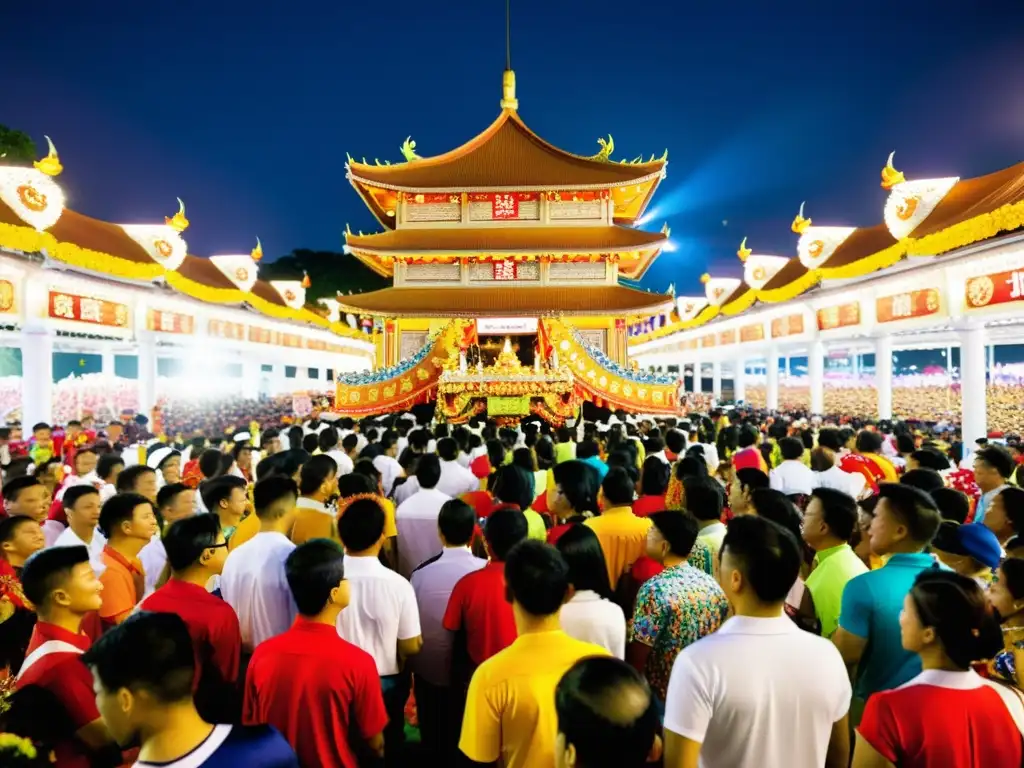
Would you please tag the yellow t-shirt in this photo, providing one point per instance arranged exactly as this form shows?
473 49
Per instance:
510 708
623 538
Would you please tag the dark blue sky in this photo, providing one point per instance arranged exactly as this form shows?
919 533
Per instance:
246 109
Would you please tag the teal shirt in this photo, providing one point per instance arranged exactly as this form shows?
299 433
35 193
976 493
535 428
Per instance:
871 608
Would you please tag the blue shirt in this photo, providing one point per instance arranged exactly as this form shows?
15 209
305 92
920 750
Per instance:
230 746
871 608
600 466
985 501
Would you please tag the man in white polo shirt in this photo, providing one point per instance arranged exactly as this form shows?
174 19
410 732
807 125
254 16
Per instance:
760 691
416 517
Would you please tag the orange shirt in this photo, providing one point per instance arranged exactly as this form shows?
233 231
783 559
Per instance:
246 529
123 584
623 538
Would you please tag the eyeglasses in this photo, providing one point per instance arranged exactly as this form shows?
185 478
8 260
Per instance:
216 546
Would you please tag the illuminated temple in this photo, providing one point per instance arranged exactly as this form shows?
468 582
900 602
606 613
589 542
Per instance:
505 255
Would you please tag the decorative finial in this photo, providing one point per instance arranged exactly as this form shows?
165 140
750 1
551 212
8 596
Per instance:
705 278
666 230
306 282
408 150
178 222
744 252
349 159
607 147
890 176
257 252
800 224
664 156
671 290
508 91
348 229
50 165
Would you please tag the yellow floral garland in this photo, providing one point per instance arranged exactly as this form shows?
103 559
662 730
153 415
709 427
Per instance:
1004 219
791 290
867 265
742 304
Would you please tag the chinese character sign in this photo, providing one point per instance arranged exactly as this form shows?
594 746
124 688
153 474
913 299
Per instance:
85 309
169 322
504 206
505 270
754 332
839 316
224 330
905 306
790 325
991 290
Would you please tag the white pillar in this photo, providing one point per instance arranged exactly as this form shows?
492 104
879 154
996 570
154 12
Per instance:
772 376
883 375
739 381
991 360
147 374
974 416
36 378
816 374
716 379
786 369
107 364
856 365
250 378
696 376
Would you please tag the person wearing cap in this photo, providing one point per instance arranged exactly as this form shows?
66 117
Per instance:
167 463
971 550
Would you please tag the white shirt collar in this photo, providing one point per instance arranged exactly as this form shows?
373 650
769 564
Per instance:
361 565
754 625
306 503
943 678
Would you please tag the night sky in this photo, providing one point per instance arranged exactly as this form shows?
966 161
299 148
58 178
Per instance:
246 110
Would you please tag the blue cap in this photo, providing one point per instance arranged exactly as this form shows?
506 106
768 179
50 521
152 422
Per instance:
980 543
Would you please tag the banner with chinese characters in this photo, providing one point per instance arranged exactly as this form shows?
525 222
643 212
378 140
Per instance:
907 305
222 329
790 325
505 270
992 290
85 309
292 340
259 335
754 332
727 337
839 316
508 406
169 322
503 206
709 340
8 296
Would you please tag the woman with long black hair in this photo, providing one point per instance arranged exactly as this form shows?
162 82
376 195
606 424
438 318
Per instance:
590 615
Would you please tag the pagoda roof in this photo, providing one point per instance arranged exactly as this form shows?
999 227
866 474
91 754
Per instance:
506 156
505 301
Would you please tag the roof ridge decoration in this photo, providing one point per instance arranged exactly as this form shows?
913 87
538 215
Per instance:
178 222
911 202
817 244
292 292
32 192
257 253
239 269
161 242
50 165
758 268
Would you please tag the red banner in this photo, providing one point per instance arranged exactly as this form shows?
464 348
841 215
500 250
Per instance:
222 329
727 337
790 325
84 309
753 332
169 322
839 316
505 270
992 290
904 306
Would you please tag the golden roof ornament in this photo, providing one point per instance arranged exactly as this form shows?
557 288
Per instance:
890 176
508 90
800 224
257 252
666 230
306 282
744 252
607 147
178 222
50 165
705 278
408 150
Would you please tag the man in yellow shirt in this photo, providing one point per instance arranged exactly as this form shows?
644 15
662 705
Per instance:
622 534
510 709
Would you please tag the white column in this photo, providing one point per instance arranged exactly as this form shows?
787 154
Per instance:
787 371
696 376
36 377
974 417
739 381
991 360
816 374
250 378
883 375
716 379
107 365
772 376
147 374
856 365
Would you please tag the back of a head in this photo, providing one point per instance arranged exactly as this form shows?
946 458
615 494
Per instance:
349 442
456 522
209 462
929 458
503 530
117 510
147 652
868 442
765 553
186 540
314 570
953 505
127 480
580 482
315 472
428 471
829 438
47 569
219 489
1013 505
545 452
618 487
838 511
704 497
691 466
776 506
748 436
678 528
328 439
607 713
587 449
292 461
513 485
752 479
310 443
447 449
523 458
419 439
998 458
274 496
361 526
588 570
536 577
655 476
927 480
675 441
354 484
913 508
958 610
791 448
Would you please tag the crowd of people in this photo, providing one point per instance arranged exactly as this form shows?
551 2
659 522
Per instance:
733 589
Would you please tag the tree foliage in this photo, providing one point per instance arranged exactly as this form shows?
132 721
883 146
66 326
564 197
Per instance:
16 147
329 272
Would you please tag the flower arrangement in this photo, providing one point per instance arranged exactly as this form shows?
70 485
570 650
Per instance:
18 751
637 377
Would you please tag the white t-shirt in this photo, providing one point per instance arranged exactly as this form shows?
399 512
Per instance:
456 479
254 584
416 519
592 619
758 693
382 610
68 538
345 464
851 483
390 470
792 477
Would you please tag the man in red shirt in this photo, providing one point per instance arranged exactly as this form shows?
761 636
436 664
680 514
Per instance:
317 689
477 610
196 551
62 586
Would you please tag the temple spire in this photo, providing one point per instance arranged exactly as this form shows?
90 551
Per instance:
508 78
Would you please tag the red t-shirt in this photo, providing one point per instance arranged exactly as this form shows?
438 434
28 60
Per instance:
556 532
942 718
316 689
478 605
647 505
645 568
212 624
63 674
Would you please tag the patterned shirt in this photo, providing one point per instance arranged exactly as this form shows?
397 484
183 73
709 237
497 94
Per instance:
675 609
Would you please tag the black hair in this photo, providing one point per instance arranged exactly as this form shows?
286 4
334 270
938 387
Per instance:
47 569
829 438
618 487
523 458
349 442
752 479
606 710
315 472
1013 505
447 449
75 492
513 485
587 449
503 530
419 439
580 482
328 439
913 508
536 577
310 443
428 470
361 525
9 525
166 495
291 461
120 509
107 463
269 491
129 477
929 458
655 476
456 521
219 489
313 570
956 607
703 497
675 441
691 466
768 555
12 488
791 448
355 483
185 540
868 442
927 480
366 467
39 426
838 511
588 569
953 505
147 651
678 528
997 457
748 436
779 508
209 462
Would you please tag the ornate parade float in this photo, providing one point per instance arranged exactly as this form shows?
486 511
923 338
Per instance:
506 255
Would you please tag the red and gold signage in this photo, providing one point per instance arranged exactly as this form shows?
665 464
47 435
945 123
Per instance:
7 293
433 198
222 329
578 195
904 306
688 344
505 270
839 316
727 337
504 205
755 332
316 345
790 325
262 335
291 340
169 322
708 341
992 290
85 309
